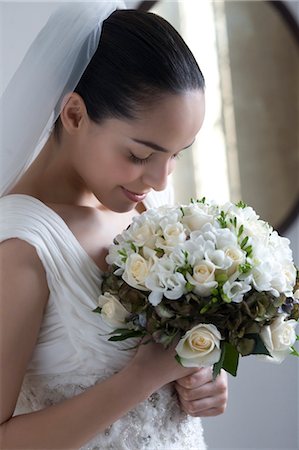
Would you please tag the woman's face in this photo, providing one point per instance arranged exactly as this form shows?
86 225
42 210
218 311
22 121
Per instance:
121 161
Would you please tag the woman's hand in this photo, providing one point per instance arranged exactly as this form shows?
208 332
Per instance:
200 396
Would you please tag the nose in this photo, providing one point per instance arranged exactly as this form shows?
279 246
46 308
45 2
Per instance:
156 176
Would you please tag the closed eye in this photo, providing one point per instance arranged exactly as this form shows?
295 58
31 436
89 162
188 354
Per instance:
141 161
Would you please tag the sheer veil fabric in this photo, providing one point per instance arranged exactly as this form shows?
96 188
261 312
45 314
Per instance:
50 69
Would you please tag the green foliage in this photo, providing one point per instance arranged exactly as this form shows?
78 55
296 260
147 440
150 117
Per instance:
222 219
228 361
122 334
178 359
294 352
241 204
123 254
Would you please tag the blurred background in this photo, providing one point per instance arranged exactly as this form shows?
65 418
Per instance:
247 149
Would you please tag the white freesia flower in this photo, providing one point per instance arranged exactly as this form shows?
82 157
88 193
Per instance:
112 311
163 280
225 238
136 270
218 258
279 337
118 254
235 290
200 346
203 278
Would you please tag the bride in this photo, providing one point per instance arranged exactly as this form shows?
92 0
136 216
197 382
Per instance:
125 97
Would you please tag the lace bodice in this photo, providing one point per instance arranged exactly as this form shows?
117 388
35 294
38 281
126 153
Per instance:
156 424
72 351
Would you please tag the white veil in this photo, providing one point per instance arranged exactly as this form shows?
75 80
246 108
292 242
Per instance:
51 68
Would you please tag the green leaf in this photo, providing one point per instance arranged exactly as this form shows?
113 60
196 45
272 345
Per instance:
228 360
231 359
241 229
120 331
244 242
218 365
259 348
133 247
294 351
178 359
128 335
97 310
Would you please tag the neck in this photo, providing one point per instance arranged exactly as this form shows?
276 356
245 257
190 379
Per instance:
51 179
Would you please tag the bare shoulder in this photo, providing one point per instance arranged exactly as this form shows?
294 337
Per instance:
24 294
18 254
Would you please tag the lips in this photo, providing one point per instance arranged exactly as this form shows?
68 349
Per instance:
133 196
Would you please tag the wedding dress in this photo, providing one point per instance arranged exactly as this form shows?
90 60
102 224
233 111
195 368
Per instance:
72 351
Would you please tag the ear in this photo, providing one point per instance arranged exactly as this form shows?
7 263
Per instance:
73 113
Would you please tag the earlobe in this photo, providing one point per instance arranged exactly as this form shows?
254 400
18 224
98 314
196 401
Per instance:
73 112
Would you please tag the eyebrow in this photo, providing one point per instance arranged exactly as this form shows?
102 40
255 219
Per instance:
156 146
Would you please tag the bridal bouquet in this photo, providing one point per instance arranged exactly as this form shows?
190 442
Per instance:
216 280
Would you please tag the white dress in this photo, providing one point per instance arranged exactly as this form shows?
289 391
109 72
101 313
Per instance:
72 351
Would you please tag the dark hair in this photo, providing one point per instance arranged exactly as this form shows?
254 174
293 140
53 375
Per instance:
140 57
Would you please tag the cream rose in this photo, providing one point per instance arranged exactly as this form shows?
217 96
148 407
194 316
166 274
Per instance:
200 346
195 218
136 270
237 257
203 278
113 312
279 337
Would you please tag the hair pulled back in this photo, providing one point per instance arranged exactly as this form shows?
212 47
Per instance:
140 57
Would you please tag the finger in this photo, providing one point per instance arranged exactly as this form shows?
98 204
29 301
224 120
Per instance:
208 390
197 378
209 406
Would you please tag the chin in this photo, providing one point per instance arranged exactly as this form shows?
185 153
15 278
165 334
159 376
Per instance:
119 207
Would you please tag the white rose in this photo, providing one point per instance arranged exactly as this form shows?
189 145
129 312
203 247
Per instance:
195 218
279 337
113 312
203 278
143 235
136 270
174 234
200 346
237 257
284 278
262 275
